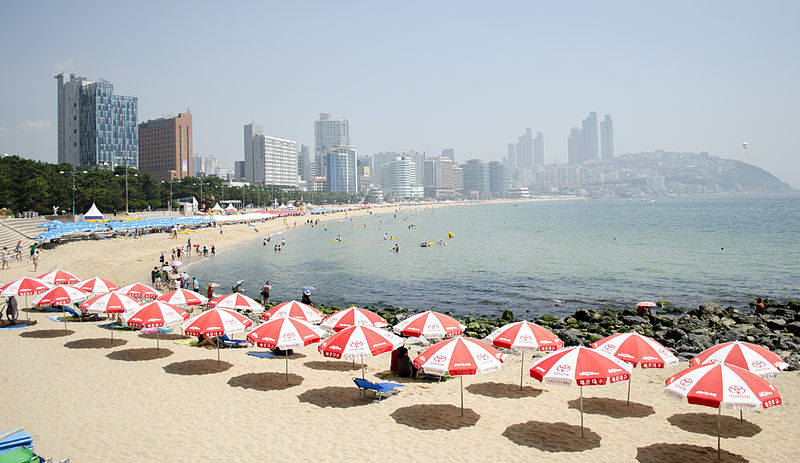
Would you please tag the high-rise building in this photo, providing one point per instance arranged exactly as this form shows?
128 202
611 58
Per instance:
418 158
238 171
476 177
449 153
437 177
538 150
364 166
165 147
524 149
275 161
304 163
458 178
329 132
498 178
341 164
250 133
96 127
399 179
378 161
512 156
582 142
607 137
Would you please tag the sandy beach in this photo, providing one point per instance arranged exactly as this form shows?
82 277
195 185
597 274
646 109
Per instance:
84 399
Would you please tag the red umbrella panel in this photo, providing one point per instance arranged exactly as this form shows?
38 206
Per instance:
523 336
236 301
58 277
97 285
60 295
359 342
353 316
155 315
24 286
431 325
139 291
294 309
285 334
752 357
216 322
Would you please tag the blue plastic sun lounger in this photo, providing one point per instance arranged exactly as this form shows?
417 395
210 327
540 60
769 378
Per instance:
228 342
378 388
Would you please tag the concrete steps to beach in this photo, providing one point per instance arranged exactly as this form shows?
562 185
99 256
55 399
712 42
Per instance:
13 230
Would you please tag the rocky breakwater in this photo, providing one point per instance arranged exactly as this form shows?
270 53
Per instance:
777 329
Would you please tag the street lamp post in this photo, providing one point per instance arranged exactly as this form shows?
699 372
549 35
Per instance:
73 172
169 206
126 185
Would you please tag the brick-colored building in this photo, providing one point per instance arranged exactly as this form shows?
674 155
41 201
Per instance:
165 147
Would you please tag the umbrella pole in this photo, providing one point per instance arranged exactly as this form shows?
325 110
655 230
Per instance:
521 369
64 309
156 340
630 378
218 343
741 417
112 333
581 411
362 366
27 312
462 394
719 414
286 352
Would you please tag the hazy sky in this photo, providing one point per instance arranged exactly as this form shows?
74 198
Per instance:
680 76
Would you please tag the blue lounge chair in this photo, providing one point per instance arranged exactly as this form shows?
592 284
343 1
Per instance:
82 316
228 342
378 388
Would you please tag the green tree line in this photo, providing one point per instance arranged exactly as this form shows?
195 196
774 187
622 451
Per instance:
27 185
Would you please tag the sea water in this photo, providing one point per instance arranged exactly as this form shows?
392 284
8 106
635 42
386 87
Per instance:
534 257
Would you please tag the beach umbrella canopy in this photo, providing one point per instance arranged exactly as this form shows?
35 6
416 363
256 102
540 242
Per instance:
717 384
60 295
59 277
182 297
113 302
359 342
458 357
154 315
646 304
285 333
523 336
139 290
24 286
294 309
752 357
582 366
97 285
430 324
636 349
236 301
216 322
353 316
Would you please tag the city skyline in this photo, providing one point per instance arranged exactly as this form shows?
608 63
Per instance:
720 79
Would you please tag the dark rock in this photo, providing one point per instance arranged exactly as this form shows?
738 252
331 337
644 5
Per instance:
694 343
571 337
675 334
582 315
794 328
508 316
776 324
633 320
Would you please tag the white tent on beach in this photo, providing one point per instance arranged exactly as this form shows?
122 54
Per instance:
217 208
93 213
230 209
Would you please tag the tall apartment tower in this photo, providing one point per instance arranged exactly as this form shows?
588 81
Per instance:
250 132
512 155
329 132
524 149
96 127
165 147
341 163
590 138
449 153
607 137
304 163
538 150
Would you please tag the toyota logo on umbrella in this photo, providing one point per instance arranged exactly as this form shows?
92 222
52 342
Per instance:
356 344
735 389
609 346
482 356
685 382
433 326
563 368
758 364
440 358
288 335
525 337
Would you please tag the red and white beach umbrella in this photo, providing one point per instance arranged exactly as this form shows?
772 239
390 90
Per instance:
353 316
236 301
182 297
96 285
24 286
715 384
582 366
154 315
458 357
139 291
359 342
285 333
216 322
752 357
430 324
113 302
523 336
294 309
61 295
636 350
59 277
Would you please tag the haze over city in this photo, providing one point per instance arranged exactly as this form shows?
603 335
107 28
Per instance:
463 75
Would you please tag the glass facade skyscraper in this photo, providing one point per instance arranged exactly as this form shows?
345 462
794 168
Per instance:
108 126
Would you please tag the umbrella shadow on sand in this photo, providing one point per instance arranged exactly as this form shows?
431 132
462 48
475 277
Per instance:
334 397
438 416
612 408
95 343
46 334
164 336
658 453
503 390
332 365
197 367
136 355
552 437
706 423
265 381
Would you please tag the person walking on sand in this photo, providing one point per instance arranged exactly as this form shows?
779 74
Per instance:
18 250
36 255
4 258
